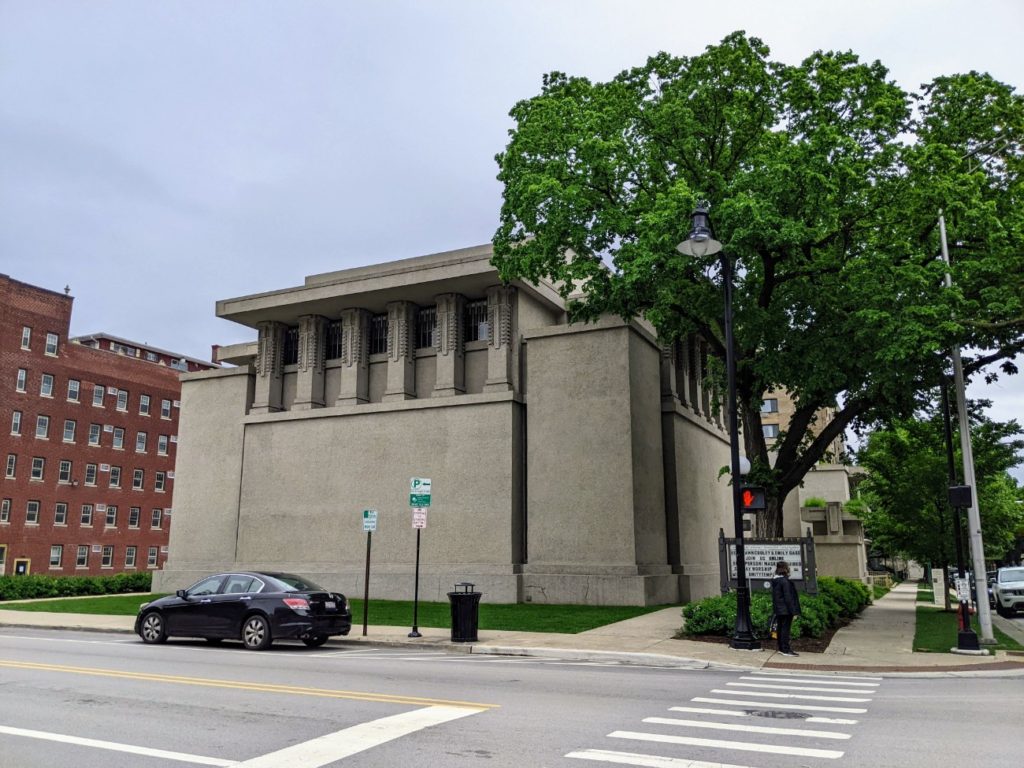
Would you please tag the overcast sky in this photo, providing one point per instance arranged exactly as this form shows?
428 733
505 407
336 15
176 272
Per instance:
158 156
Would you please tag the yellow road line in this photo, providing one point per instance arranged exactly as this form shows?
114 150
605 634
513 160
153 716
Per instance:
264 687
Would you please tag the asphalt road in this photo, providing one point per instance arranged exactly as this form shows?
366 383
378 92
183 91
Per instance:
89 699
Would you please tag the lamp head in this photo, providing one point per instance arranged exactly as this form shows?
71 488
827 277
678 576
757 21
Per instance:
701 240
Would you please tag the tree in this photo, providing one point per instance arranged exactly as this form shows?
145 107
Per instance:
907 480
826 180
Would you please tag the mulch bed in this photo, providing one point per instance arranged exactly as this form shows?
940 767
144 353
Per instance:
805 644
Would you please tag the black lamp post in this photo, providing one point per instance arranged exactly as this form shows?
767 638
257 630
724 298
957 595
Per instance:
701 242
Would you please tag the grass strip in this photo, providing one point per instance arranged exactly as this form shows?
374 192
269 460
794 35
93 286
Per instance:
937 629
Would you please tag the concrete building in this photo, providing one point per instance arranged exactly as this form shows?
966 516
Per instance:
571 463
88 440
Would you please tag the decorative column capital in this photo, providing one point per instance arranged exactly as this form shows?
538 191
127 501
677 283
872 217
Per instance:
500 299
312 338
269 348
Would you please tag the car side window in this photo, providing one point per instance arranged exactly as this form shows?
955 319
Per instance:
238 585
206 587
257 586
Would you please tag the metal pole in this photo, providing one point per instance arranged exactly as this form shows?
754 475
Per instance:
366 581
743 638
973 514
416 592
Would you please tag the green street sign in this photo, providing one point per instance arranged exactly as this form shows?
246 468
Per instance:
419 492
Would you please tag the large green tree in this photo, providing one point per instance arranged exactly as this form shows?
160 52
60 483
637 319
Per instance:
825 181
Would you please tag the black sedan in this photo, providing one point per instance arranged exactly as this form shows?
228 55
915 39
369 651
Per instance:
256 608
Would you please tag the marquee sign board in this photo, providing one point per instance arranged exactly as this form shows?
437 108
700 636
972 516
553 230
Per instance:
760 558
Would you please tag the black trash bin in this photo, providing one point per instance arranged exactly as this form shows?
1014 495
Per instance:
465 612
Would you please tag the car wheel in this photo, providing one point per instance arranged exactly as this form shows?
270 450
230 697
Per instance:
1001 611
314 641
153 629
256 633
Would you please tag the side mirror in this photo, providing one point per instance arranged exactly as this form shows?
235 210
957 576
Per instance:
182 593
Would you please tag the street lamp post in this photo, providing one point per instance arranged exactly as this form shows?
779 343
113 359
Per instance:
701 242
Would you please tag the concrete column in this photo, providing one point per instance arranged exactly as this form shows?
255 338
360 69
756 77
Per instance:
694 356
269 356
668 370
401 383
500 303
309 386
705 392
449 344
683 367
355 364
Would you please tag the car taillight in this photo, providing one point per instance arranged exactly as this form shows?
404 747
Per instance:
297 603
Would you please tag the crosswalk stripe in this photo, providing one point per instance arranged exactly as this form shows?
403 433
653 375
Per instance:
788 696
799 688
779 705
831 720
745 746
645 761
741 713
815 680
791 673
746 728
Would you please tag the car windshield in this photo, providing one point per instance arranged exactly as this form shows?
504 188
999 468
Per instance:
1011 574
293 583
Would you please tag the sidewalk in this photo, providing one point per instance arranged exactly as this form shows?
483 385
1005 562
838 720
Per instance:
879 641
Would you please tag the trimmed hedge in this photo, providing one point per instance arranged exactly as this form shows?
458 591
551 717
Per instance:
837 599
32 587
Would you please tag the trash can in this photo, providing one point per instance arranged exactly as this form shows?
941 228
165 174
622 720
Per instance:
465 612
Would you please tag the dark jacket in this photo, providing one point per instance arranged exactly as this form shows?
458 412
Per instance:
785 600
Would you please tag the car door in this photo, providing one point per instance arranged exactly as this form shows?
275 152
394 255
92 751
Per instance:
190 614
227 608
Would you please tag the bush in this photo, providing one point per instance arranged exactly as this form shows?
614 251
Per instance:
35 587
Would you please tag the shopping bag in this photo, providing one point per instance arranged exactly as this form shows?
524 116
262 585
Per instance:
773 628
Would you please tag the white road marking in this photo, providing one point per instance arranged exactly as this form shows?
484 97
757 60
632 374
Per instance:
115 747
645 761
777 705
747 728
792 673
741 713
816 681
745 746
335 746
788 696
799 688
831 720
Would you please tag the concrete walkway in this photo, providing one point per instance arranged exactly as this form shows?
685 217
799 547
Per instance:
879 641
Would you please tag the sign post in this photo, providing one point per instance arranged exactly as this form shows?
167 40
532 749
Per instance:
419 501
369 526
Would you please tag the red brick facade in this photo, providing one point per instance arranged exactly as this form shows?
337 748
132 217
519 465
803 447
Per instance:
62 509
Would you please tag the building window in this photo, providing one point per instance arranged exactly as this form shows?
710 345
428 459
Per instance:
64 471
770 430
87 515
151 560
122 349
97 395
140 442
426 325
60 513
152 356
42 427
56 555
129 557
378 334
5 511
477 328
12 465
22 380
51 344
122 399
333 340
69 430
115 477
95 430
290 355
144 405
82 557
118 438
46 385
32 513
108 557
16 423
158 518
138 479
133 517
38 468
160 481
73 386
165 409
90 474
111 519
161 445
26 337
770 405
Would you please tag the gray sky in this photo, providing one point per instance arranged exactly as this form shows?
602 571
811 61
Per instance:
158 156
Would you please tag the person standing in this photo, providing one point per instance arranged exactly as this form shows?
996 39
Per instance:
786 604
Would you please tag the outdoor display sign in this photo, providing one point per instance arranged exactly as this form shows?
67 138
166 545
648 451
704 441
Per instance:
760 558
419 492
419 517
369 520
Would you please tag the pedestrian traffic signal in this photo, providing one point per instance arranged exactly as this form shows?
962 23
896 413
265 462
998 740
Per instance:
752 498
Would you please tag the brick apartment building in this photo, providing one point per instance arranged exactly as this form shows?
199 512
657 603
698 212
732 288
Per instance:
88 429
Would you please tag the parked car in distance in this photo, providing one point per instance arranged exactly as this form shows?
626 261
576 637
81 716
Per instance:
254 607
1008 590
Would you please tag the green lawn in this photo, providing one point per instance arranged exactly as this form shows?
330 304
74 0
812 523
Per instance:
936 632
925 593
526 617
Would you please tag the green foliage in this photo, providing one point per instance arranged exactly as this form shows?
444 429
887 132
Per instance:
815 501
33 587
826 180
